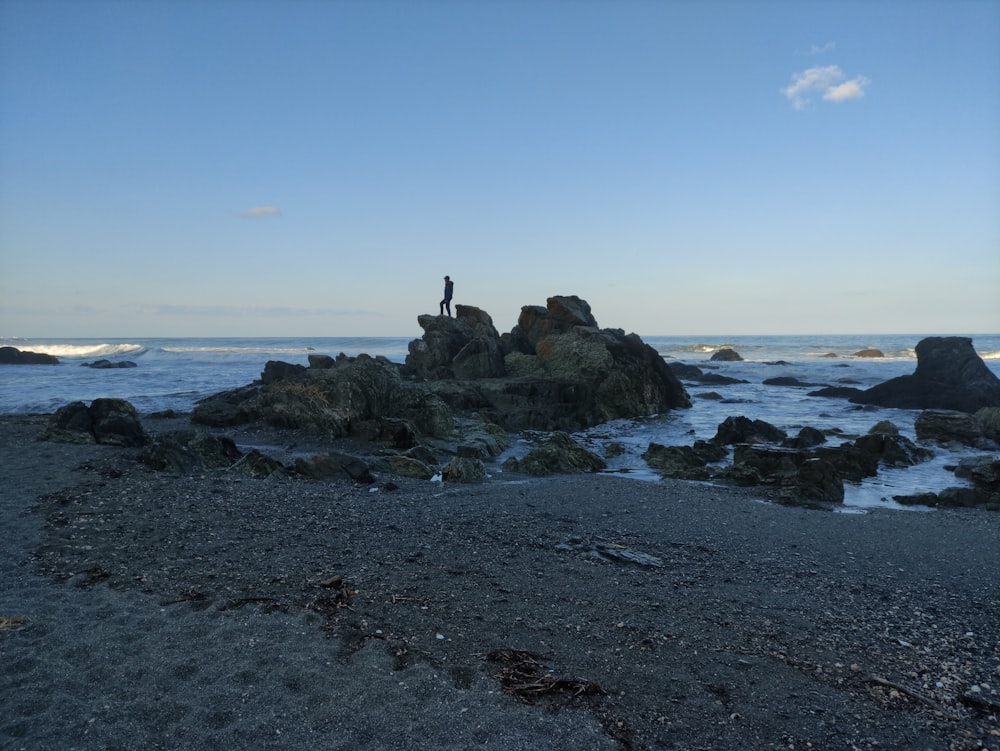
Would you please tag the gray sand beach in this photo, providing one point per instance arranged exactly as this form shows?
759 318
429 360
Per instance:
145 610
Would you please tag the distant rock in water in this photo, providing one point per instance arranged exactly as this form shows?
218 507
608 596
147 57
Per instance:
108 365
869 352
726 354
949 375
14 356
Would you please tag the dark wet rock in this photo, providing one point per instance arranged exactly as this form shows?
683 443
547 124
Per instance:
685 462
806 439
948 426
109 365
672 459
949 375
14 356
726 354
710 396
869 352
320 362
740 429
852 463
984 474
70 423
227 408
260 465
464 469
188 451
837 392
116 422
789 381
685 371
113 422
989 422
169 452
697 375
276 370
334 466
818 480
408 466
390 432
560 454
464 347
892 450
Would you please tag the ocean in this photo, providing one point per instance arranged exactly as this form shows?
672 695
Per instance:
176 373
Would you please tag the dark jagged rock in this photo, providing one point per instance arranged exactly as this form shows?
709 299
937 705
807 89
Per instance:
739 429
334 465
14 356
946 426
818 480
949 375
726 354
227 408
189 451
276 370
684 462
696 374
806 439
789 381
837 392
464 469
109 421
116 422
464 347
560 454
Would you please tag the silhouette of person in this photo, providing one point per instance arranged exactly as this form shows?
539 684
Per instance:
449 289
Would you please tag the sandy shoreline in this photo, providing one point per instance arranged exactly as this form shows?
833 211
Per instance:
217 610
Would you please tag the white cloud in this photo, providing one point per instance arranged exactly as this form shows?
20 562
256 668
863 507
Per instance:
827 81
853 89
260 211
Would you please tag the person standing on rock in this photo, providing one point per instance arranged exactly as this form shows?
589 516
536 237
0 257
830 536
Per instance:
449 288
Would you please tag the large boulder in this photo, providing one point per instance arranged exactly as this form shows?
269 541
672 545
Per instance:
109 421
560 454
949 375
14 356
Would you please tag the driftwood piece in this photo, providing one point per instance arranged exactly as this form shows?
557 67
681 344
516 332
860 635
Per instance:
913 695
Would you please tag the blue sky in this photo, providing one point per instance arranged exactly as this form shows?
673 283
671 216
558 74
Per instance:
266 168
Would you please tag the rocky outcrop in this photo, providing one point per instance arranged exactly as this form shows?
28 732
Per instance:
560 454
556 369
14 356
949 375
464 347
113 422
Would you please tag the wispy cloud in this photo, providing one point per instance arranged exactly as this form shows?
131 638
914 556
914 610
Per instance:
826 81
217 311
260 211
822 49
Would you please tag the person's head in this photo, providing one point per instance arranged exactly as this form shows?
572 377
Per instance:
447 278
